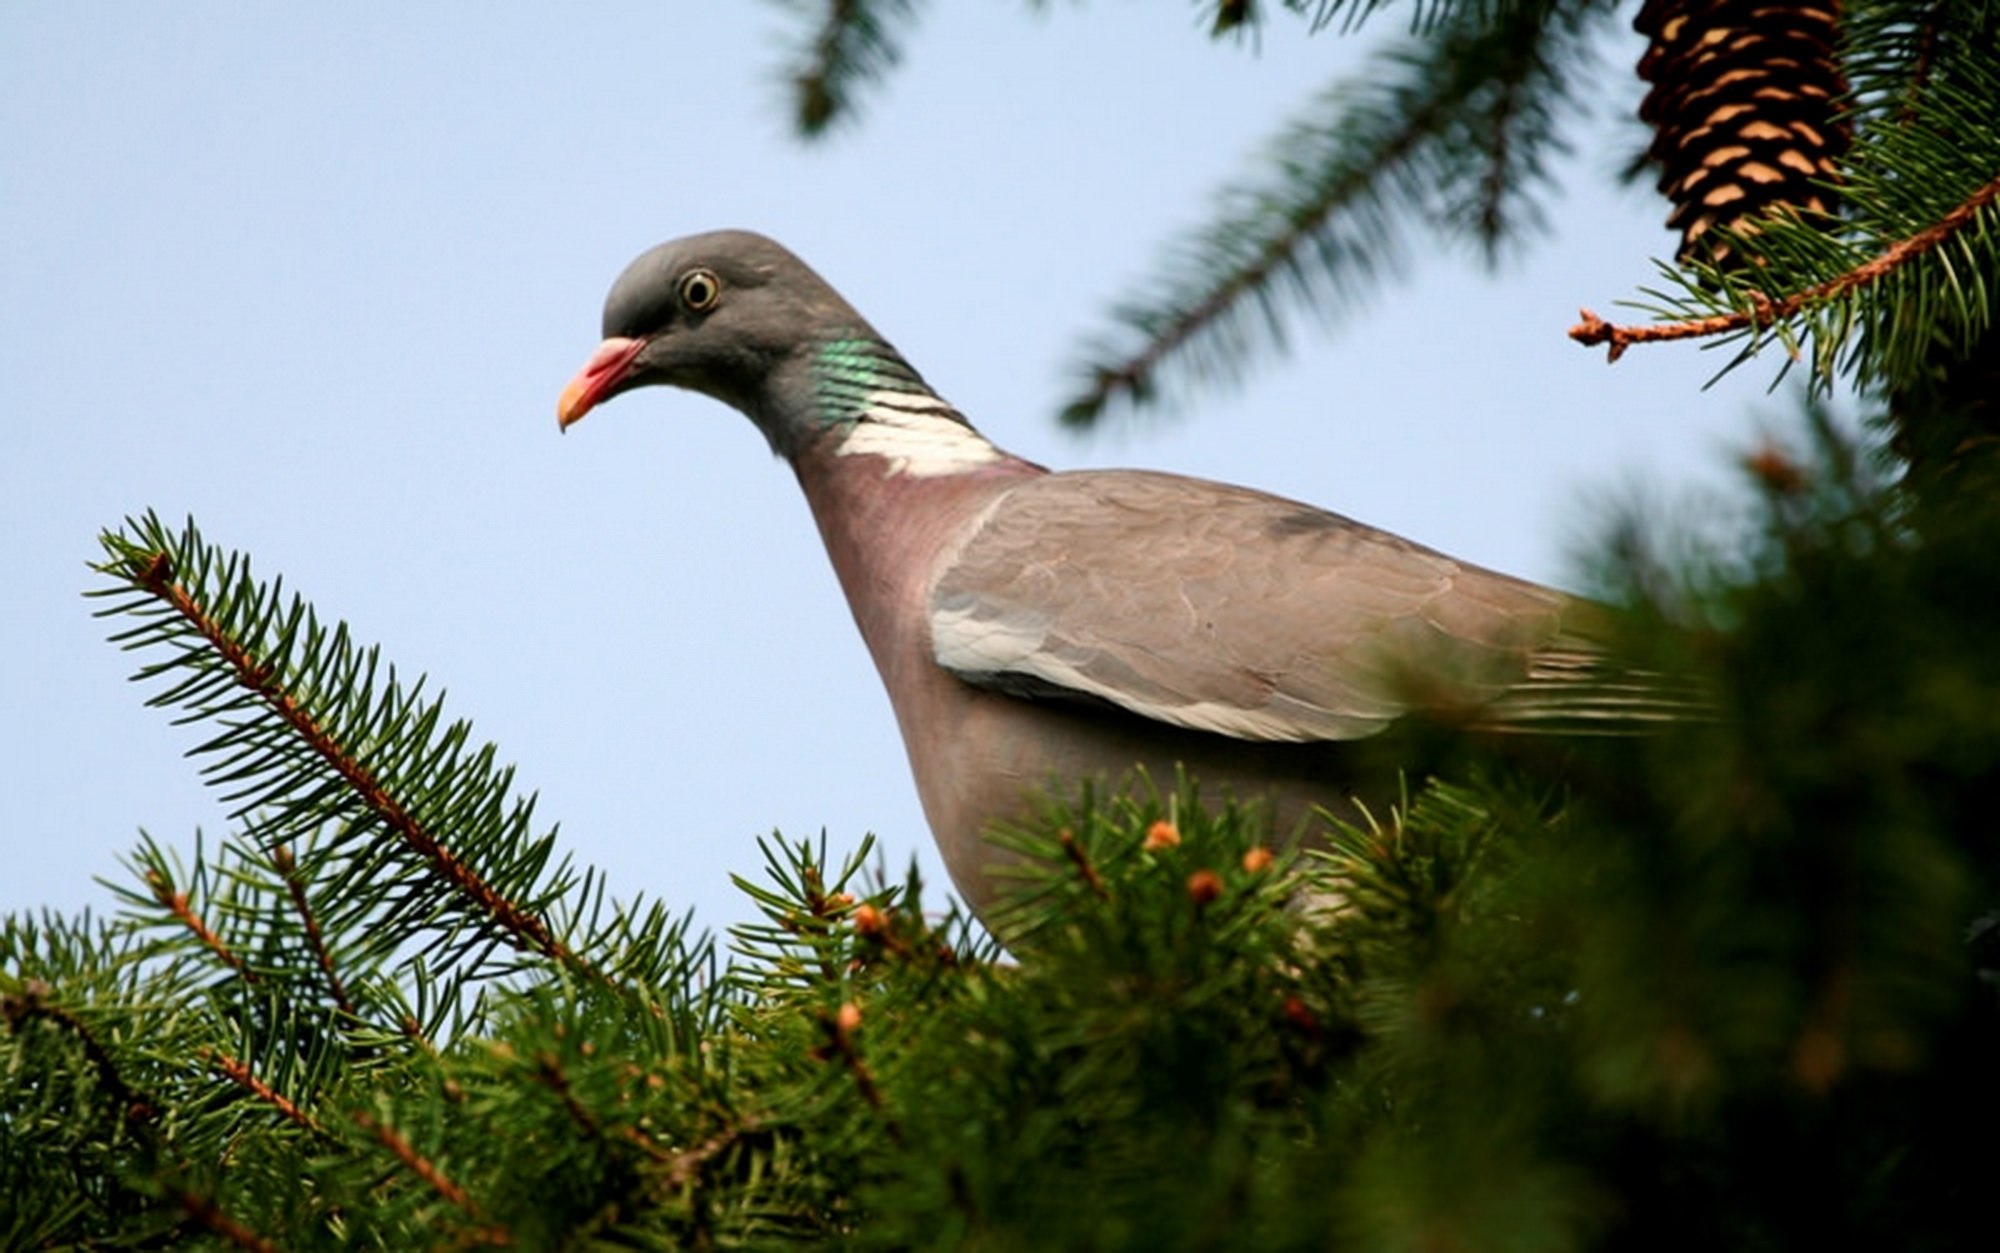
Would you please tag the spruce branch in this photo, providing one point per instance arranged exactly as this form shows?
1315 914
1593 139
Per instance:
1449 134
156 577
1424 15
849 45
176 903
1231 14
684 1168
309 742
1081 860
799 944
549 1071
855 42
207 1213
239 1073
416 1163
34 1002
1763 311
839 1028
287 867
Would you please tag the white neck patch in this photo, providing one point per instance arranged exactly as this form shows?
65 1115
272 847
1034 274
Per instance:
918 435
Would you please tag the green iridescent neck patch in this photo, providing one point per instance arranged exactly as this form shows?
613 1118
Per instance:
849 370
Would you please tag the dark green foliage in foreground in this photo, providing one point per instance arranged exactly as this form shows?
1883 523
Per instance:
1731 986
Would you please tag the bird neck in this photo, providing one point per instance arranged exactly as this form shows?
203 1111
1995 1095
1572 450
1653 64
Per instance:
866 401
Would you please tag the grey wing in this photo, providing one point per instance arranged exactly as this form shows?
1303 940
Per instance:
1231 611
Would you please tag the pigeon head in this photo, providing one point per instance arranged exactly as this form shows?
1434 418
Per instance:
729 314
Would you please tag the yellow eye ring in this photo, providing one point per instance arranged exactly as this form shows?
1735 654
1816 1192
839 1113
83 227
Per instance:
700 289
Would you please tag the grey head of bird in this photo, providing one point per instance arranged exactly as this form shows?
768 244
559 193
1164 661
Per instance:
736 316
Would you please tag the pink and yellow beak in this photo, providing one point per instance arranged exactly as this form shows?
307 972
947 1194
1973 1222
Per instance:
599 377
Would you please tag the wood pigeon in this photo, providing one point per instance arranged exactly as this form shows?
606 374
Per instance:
1036 629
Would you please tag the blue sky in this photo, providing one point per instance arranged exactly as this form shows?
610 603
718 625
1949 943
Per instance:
315 274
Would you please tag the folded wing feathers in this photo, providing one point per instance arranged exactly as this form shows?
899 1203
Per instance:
1229 611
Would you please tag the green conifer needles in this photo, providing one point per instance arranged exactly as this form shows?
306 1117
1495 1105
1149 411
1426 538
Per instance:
1731 983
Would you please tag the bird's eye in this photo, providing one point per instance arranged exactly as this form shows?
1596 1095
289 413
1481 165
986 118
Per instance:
700 289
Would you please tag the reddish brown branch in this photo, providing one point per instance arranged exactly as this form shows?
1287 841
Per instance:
840 1028
295 884
823 907
32 1003
550 1072
681 1166
238 1072
1763 310
685 1165
1082 862
878 927
417 1164
205 1212
528 931
177 902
